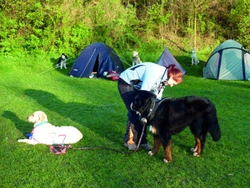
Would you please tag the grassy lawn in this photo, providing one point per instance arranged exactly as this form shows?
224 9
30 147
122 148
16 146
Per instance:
94 106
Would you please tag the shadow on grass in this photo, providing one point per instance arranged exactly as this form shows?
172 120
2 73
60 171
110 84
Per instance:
19 123
91 116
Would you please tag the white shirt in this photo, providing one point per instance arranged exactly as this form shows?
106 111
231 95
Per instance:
150 75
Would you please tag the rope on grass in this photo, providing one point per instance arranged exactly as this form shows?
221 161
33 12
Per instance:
101 147
54 67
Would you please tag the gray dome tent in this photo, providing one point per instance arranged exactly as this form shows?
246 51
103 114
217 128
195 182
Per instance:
229 61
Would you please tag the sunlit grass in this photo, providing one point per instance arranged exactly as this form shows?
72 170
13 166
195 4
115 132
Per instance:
95 108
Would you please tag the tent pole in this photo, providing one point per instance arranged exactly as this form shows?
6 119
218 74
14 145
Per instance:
87 63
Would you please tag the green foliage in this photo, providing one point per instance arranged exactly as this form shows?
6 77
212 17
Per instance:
113 24
68 26
244 28
73 43
242 24
157 14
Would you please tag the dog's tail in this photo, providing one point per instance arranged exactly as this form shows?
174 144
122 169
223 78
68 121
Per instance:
215 132
214 128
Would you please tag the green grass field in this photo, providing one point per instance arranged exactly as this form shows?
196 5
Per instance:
94 106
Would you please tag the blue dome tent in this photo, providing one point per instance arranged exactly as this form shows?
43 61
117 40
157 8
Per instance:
98 58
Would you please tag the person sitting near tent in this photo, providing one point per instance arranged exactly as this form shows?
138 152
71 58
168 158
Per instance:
135 58
146 76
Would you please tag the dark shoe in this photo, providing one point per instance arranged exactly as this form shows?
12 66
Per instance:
146 147
131 147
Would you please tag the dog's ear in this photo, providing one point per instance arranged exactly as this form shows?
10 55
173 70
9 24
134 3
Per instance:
140 99
137 101
42 117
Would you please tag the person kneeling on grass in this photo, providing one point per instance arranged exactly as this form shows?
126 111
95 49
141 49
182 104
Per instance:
145 76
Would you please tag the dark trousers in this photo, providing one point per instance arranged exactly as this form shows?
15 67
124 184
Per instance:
134 127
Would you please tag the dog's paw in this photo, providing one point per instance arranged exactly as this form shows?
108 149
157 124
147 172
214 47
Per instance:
150 153
20 140
165 160
195 154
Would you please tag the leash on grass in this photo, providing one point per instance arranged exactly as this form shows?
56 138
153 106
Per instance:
102 148
61 149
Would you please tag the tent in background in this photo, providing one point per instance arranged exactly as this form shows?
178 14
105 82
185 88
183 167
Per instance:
229 61
98 58
167 59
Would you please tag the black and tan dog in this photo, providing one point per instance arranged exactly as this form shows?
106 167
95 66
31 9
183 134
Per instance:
171 116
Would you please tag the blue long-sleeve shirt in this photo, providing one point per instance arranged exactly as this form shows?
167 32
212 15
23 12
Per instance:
149 75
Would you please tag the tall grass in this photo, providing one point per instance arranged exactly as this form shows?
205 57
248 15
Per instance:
93 106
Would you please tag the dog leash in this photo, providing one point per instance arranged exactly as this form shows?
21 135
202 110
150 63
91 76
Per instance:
61 149
100 147
143 129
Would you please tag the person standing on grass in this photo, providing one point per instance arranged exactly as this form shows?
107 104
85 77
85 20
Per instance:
145 76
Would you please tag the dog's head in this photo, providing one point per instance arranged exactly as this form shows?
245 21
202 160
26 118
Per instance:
63 56
135 54
142 102
37 117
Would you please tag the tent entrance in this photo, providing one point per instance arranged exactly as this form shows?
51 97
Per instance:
96 66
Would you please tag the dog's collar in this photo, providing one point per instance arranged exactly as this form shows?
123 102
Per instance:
39 124
153 106
149 108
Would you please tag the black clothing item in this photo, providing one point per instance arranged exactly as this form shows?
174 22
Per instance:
128 93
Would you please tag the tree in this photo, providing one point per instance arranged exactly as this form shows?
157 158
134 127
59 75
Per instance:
197 4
